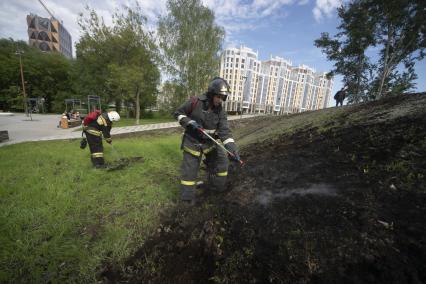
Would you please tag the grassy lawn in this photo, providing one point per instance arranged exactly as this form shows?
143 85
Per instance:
60 219
157 118
132 122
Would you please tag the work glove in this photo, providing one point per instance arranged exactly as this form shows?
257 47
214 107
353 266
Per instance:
194 130
192 125
83 143
232 147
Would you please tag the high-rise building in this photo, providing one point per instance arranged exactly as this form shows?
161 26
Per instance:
240 67
271 86
49 35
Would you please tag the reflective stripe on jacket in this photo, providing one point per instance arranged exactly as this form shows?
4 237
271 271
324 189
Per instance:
102 125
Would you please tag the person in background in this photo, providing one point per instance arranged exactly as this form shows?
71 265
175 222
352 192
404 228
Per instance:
96 125
63 123
205 112
340 96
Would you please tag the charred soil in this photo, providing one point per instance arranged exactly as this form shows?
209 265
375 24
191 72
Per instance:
339 199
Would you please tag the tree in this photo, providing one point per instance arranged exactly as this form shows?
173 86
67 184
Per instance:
135 72
190 41
10 84
127 55
172 96
395 28
46 74
400 31
93 55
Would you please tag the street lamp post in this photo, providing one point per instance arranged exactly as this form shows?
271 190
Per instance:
19 52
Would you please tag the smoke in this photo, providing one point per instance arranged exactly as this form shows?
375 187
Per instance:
266 197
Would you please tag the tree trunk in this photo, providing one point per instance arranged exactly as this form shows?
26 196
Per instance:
138 108
358 84
118 105
385 63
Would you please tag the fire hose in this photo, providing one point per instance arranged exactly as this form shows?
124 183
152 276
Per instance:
221 146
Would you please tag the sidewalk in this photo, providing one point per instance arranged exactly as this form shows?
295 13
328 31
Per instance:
43 127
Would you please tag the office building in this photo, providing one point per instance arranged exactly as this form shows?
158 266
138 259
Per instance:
49 35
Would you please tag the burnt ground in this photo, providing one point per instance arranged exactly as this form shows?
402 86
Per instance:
122 163
341 198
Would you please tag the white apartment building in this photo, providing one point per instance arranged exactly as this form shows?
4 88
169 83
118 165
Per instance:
240 67
272 86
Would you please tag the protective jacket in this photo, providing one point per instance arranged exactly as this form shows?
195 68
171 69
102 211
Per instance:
100 127
214 122
94 132
194 144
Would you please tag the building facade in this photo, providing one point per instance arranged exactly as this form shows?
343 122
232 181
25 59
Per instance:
49 35
273 86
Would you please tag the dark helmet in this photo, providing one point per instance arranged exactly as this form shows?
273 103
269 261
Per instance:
218 86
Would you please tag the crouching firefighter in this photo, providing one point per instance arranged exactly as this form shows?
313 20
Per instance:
205 114
96 125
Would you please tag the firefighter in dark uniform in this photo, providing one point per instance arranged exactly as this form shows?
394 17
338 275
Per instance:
205 112
94 131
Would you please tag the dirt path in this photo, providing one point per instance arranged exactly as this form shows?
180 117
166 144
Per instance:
337 201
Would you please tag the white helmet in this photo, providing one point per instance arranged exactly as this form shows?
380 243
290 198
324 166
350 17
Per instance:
113 116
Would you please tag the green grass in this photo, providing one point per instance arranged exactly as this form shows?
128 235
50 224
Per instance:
60 219
270 127
155 118
131 121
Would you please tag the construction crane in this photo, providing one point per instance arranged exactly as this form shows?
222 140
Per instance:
45 7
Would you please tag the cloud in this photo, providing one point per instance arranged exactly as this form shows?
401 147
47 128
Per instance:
239 15
257 9
234 15
13 13
325 8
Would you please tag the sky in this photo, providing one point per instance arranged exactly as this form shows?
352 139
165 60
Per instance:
284 28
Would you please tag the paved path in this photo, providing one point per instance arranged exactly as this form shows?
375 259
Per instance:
44 127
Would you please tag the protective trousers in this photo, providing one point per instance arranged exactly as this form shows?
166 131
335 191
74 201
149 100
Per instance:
217 169
96 148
